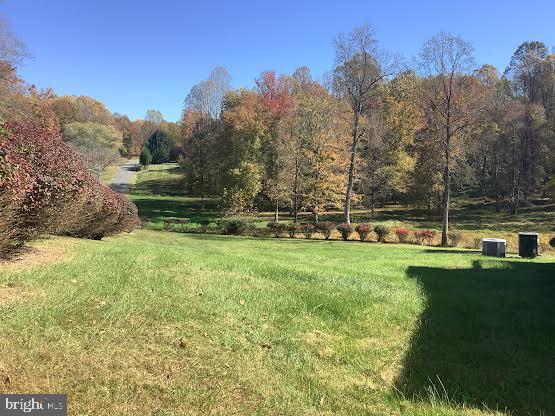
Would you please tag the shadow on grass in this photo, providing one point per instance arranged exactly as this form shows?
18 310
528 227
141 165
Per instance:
486 337
454 251
158 209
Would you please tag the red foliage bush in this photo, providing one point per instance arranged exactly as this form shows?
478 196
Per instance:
423 236
402 234
363 230
345 229
326 228
46 188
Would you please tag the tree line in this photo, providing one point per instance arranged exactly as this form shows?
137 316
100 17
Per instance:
376 131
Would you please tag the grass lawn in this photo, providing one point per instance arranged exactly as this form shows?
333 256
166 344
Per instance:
173 324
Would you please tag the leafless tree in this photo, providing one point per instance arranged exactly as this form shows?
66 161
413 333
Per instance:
445 60
361 65
12 49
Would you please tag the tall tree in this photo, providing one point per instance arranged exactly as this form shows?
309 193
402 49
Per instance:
275 98
446 60
361 66
200 123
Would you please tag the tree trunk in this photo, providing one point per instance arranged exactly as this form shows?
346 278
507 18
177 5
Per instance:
514 203
276 213
296 191
446 194
351 171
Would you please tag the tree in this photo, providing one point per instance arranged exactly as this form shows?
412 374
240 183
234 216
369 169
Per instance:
276 101
361 66
199 129
82 109
132 140
530 76
13 50
98 144
145 158
154 117
314 151
446 60
160 145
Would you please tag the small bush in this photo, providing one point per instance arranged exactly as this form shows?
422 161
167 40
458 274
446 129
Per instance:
455 237
345 229
293 229
204 223
237 226
363 230
402 234
145 159
276 228
326 228
308 230
167 225
425 236
382 232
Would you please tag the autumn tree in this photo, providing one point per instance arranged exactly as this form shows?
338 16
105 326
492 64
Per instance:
238 151
277 104
315 151
530 77
131 135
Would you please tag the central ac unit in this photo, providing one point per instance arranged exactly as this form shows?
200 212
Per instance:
494 247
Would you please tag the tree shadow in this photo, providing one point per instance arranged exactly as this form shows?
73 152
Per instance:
454 251
486 337
154 209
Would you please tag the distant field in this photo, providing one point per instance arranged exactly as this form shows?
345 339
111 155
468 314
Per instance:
171 324
159 195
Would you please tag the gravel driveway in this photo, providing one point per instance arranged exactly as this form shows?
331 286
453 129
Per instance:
124 176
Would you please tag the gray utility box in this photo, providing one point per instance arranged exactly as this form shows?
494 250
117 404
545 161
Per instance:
494 247
528 244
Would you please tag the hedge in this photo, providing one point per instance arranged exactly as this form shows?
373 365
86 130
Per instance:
45 187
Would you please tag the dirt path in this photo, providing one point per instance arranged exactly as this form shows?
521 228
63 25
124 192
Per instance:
124 176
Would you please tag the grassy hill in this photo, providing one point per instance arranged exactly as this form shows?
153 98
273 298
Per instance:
168 323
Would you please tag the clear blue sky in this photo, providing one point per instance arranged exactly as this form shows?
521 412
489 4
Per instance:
135 55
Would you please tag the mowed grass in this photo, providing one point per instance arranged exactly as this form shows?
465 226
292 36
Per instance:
182 324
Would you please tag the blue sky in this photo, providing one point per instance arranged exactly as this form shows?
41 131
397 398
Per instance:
135 55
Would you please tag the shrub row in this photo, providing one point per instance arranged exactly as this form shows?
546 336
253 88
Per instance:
246 226
45 187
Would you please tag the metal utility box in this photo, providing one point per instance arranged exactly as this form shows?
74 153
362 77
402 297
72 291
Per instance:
528 244
494 247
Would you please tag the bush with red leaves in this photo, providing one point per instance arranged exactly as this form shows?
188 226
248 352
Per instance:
45 187
363 230
425 236
402 234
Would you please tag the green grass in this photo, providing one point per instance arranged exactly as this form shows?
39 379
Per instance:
171 324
